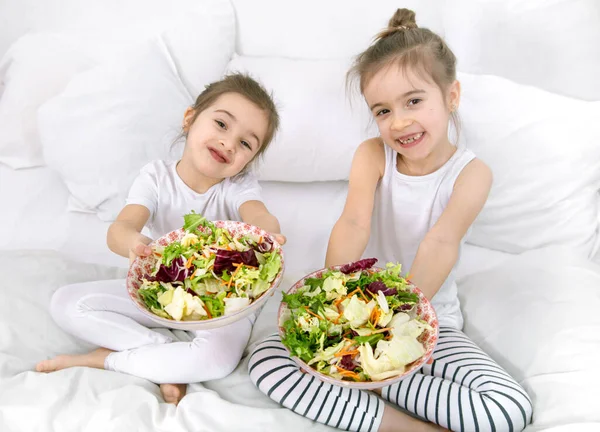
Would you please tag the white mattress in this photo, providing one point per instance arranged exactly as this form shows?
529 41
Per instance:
35 216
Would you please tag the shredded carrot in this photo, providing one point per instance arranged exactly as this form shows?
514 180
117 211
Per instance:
363 295
374 317
229 294
342 353
242 264
207 311
347 373
352 293
341 299
373 312
188 264
233 274
312 313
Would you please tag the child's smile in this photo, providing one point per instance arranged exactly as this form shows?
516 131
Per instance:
411 140
217 155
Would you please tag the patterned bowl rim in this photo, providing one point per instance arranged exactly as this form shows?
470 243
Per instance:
179 232
416 365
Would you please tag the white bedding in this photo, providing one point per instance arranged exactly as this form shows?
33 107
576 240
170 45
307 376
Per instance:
34 216
554 358
82 399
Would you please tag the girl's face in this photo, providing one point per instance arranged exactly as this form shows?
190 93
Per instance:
225 137
411 113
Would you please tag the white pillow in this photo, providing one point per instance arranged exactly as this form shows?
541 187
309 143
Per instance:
544 151
35 68
537 315
109 122
549 44
321 124
202 45
118 116
317 29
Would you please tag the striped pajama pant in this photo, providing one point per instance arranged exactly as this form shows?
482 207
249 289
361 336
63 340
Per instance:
462 390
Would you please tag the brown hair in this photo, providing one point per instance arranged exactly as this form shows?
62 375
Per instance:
247 87
407 45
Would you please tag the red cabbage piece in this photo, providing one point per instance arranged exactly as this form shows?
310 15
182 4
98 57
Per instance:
347 362
225 260
375 287
362 264
265 246
176 272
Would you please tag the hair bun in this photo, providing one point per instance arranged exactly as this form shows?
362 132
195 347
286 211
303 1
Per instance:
403 19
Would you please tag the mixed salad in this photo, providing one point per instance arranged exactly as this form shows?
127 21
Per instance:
208 272
356 323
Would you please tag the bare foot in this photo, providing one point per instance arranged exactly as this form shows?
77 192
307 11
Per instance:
94 359
173 393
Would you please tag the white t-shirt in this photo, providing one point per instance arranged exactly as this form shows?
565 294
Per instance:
159 188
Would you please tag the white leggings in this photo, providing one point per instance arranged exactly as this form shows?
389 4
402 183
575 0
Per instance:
103 314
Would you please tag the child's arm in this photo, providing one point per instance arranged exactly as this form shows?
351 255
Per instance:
350 234
124 235
438 251
255 213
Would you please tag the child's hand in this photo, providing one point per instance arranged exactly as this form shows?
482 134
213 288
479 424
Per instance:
140 249
280 238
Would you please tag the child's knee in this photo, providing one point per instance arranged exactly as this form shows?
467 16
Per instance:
216 357
63 305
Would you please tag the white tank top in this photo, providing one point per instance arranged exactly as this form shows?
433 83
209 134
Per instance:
405 209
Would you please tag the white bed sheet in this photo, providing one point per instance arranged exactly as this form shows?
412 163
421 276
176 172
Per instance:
562 382
86 400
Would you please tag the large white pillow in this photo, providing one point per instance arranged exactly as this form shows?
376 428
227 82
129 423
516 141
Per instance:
203 43
39 65
35 68
549 44
317 29
544 151
118 116
321 123
109 122
537 315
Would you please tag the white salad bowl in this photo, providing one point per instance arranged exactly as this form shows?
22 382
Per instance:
143 266
428 338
